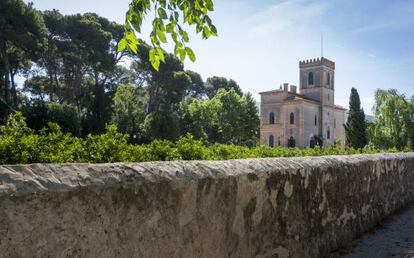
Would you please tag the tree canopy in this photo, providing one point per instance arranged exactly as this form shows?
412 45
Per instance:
22 32
129 110
355 127
213 84
393 126
226 118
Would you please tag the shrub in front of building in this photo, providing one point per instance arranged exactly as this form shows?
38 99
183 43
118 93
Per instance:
21 145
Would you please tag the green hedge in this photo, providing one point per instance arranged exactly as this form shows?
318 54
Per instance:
19 144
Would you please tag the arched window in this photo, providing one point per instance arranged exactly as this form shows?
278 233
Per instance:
292 118
334 122
316 120
328 133
271 141
291 142
278 140
271 118
329 79
310 78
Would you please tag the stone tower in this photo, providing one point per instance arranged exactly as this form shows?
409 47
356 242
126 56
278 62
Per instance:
317 81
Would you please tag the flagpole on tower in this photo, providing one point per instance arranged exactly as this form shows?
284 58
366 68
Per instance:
322 44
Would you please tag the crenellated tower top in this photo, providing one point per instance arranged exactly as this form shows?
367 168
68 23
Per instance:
317 62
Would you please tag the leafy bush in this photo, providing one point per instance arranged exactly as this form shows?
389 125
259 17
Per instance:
161 150
230 151
20 144
56 147
191 149
107 147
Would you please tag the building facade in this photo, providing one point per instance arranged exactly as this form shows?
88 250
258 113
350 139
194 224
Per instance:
306 118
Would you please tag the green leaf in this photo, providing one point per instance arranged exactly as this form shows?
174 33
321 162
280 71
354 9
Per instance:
184 34
156 64
170 27
209 5
176 50
182 53
122 45
213 30
160 53
161 36
152 55
156 55
190 54
206 32
154 39
162 13
132 41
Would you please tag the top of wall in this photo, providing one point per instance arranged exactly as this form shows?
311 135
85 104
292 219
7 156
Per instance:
17 180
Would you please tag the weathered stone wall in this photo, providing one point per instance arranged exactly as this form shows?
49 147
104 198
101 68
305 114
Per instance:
292 207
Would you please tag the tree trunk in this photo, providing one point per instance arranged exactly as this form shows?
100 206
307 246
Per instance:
153 103
6 66
98 107
13 91
52 86
98 112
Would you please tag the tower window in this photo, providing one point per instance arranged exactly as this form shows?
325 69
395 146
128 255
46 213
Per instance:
271 141
271 118
329 79
334 122
310 78
328 133
316 120
292 118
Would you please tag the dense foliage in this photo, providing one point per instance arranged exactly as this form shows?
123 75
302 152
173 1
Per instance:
393 126
77 77
19 144
226 118
355 127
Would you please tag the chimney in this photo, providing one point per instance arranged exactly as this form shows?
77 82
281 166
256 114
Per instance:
285 86
293 88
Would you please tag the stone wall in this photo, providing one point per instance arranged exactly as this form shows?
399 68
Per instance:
288 207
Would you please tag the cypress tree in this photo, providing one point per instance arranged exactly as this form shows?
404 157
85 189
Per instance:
355 127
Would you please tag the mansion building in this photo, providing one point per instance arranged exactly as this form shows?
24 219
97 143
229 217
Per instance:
305 118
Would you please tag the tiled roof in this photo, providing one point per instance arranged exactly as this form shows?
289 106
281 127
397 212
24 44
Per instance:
272 91
340 107
296 96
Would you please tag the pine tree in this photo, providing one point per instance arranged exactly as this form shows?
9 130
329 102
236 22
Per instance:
355 127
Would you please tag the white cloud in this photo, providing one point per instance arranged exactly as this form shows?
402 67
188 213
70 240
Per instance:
286 16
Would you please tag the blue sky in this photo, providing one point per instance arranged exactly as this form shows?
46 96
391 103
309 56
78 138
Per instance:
260 42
